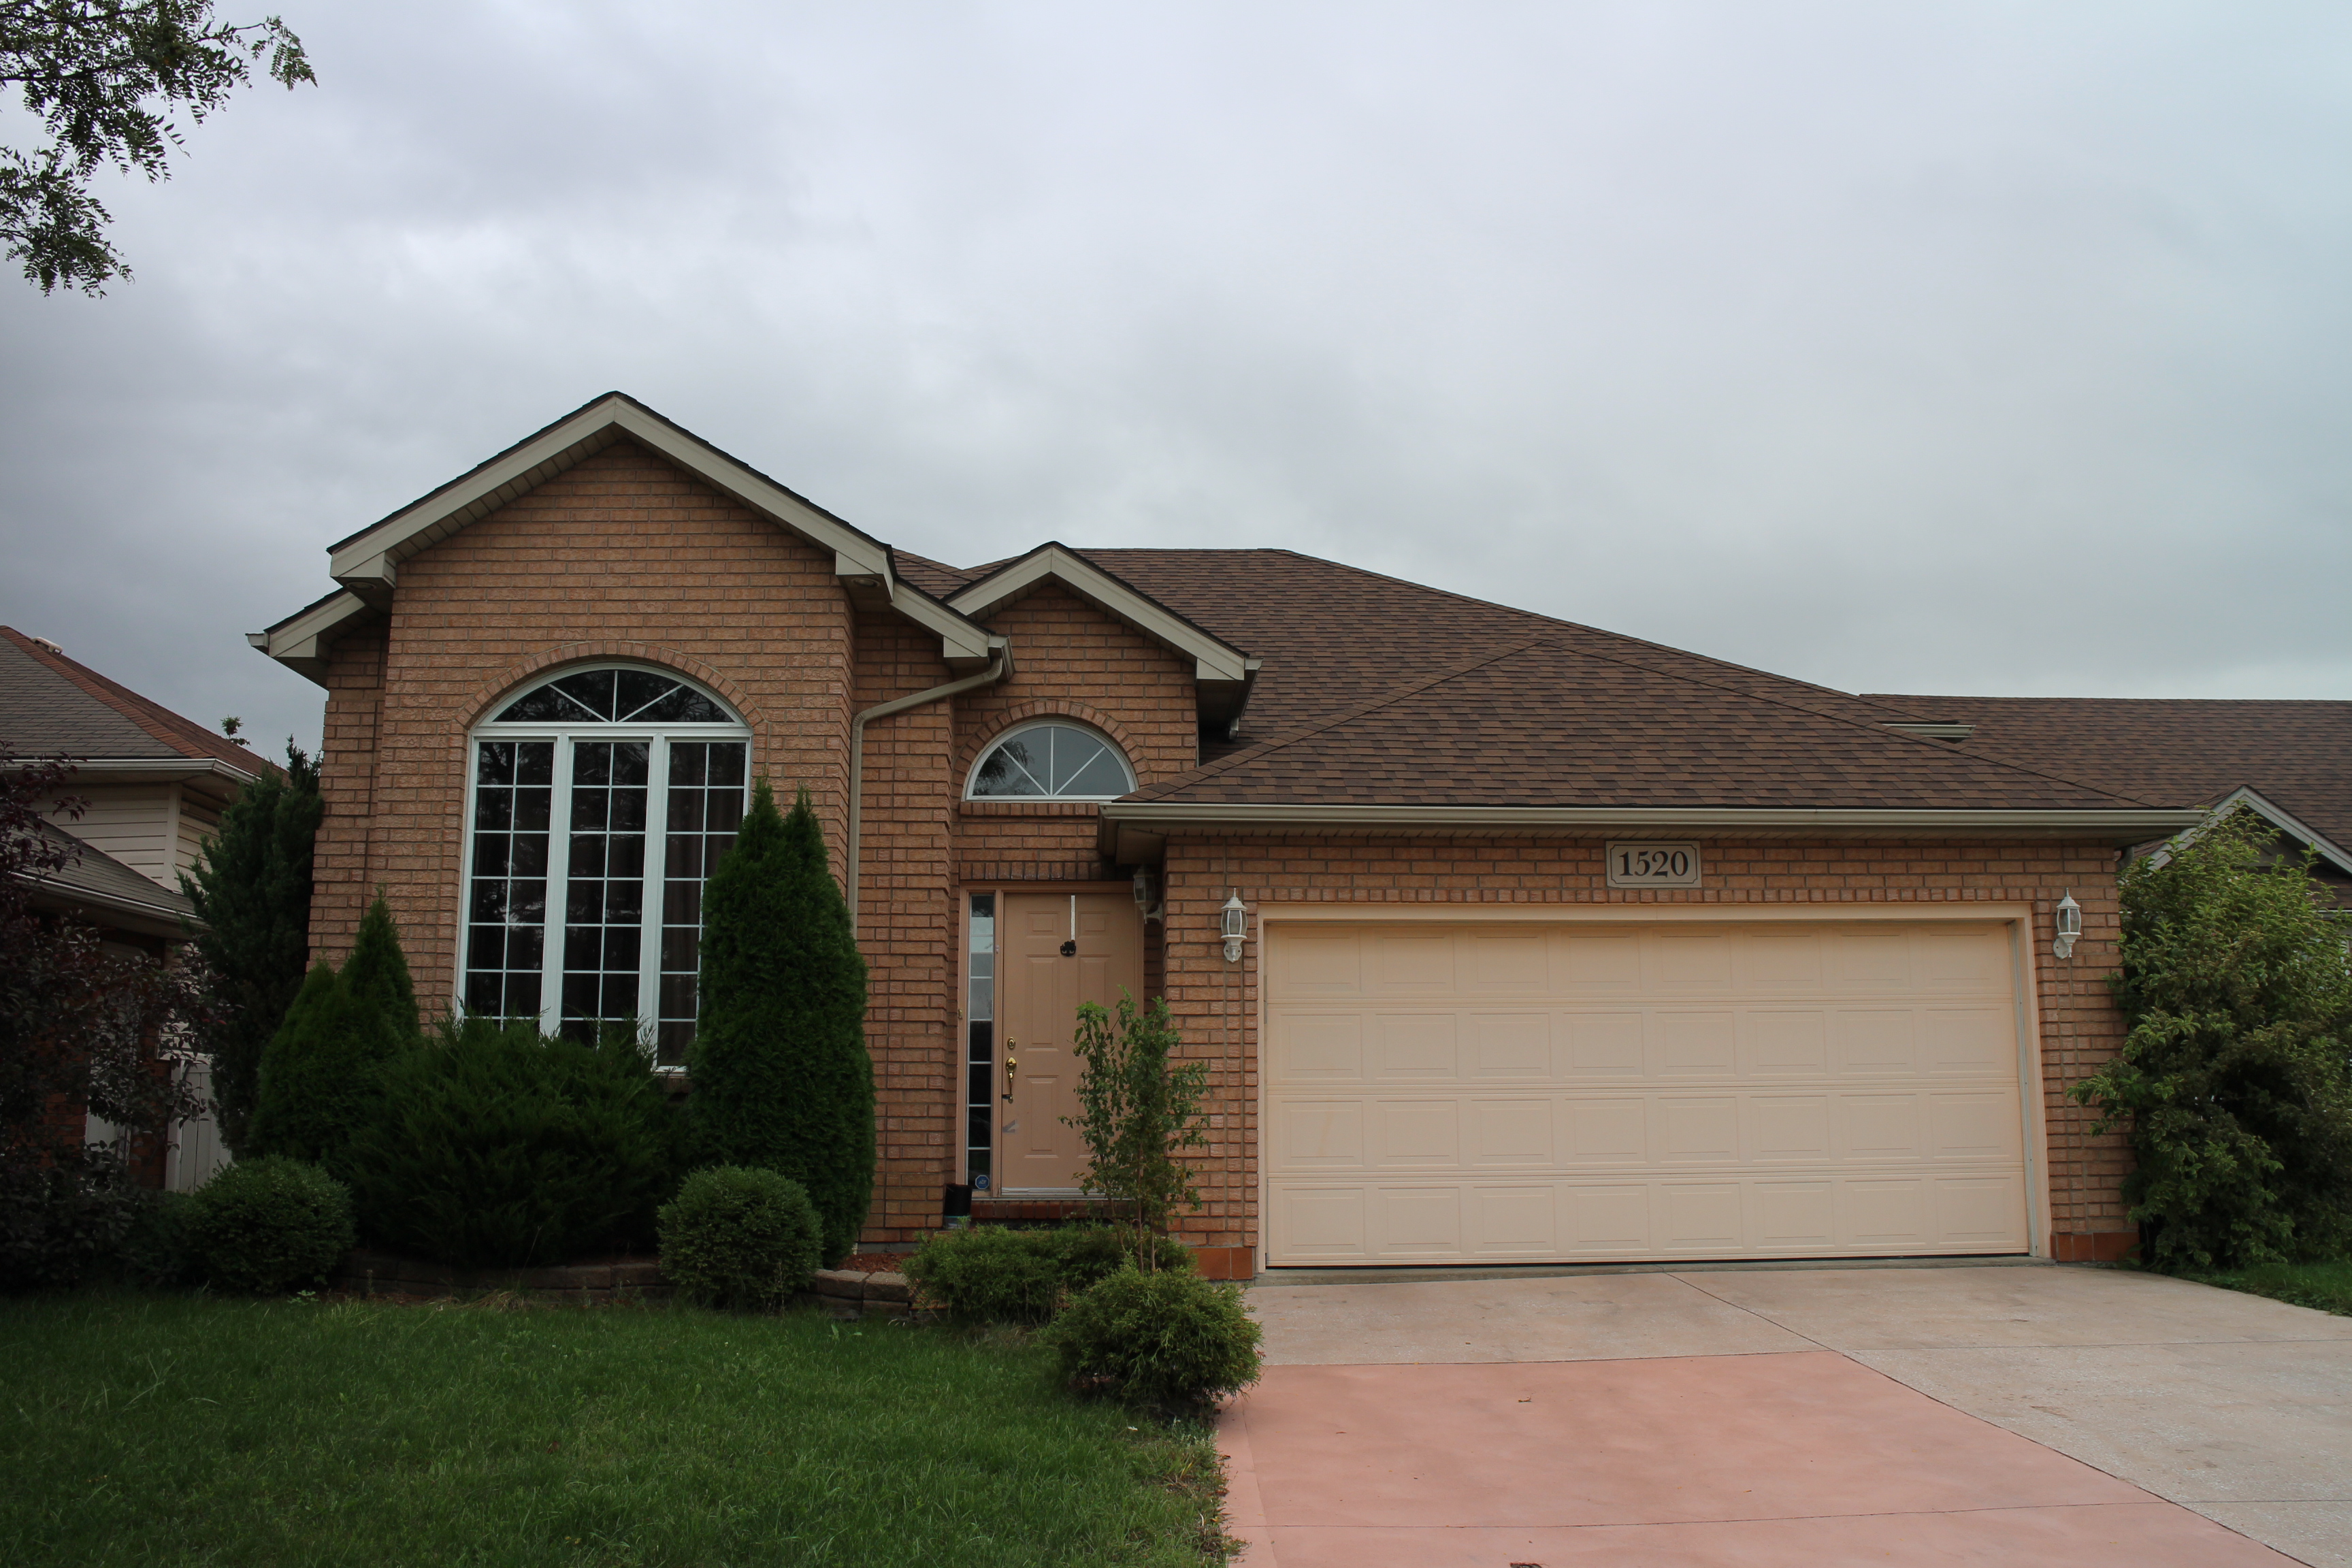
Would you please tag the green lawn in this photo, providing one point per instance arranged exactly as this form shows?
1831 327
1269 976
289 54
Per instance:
2326 1285
165 1429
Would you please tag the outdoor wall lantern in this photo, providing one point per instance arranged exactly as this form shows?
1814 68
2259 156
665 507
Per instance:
2070 926
1234 920
1147 894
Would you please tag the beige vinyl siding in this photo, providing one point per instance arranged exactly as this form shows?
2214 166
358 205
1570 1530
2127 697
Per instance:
155 829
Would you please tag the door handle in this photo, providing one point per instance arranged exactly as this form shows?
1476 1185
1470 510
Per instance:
1011 1066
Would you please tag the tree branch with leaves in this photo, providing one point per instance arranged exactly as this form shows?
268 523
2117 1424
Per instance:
104 79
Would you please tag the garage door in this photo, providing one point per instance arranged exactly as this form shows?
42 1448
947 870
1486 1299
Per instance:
1517 1093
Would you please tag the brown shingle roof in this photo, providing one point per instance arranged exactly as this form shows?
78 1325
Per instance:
2173 751
934 578
52 705
1547 723
92 878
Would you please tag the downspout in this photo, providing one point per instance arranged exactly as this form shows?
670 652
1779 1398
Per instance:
1000 665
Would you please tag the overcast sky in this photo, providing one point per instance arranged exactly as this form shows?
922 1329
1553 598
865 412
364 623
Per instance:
1986 348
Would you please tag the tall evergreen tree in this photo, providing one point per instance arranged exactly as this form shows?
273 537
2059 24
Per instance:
322 1075
251 887
781 1080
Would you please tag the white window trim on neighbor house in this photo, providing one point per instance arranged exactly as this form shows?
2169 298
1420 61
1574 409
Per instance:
665 1027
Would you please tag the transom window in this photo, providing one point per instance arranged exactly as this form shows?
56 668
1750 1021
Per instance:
600 800
1052 759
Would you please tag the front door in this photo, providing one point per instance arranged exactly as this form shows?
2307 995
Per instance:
1055 951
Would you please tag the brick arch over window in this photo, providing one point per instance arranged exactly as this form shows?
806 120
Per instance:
509 679
1021 713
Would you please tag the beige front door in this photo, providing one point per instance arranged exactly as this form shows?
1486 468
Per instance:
1055 951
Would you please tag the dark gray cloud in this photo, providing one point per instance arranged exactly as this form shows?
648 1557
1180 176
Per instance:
1989 349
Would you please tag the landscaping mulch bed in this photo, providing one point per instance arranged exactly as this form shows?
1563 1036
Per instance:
876 1263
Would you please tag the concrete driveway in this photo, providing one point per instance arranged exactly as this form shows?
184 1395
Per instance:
1763 1416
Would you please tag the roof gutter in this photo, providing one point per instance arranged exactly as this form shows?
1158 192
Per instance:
1000 665
2128 826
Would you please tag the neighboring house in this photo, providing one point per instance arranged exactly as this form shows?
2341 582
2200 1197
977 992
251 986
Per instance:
2290 762
1506 940
154 784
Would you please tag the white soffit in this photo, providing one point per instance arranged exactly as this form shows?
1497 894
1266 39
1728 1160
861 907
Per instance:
368 563
1214 660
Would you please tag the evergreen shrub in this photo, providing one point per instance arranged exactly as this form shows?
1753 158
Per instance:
264 1225
740 1237
782 1078
322 1074
492 1145
1160 1342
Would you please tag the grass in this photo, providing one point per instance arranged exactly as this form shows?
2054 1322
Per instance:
154 1429
2326 1285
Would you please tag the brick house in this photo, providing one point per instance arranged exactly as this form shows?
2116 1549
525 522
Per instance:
1553 944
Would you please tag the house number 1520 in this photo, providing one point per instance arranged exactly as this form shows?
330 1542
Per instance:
1654 865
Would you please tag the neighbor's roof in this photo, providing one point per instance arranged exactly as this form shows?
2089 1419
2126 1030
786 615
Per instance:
2175 752
95 884
51 705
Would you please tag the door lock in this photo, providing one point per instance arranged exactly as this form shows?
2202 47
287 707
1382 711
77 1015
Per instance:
1011 1067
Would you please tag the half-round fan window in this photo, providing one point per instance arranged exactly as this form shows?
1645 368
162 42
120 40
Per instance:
613 697
1050 761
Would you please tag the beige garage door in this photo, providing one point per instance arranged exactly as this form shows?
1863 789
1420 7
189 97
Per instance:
1515 1093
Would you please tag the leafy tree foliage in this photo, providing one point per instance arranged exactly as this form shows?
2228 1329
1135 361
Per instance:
83 1027
781 1080
2236 1079
322 1073
103 78
251 887
1137 1107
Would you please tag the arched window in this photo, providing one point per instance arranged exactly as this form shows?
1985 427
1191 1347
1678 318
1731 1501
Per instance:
1053 759
603 795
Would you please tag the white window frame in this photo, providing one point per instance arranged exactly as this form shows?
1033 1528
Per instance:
972 779
564 737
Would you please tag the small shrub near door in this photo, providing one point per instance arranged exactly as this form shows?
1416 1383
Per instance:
740 1237
1162 1341
267 1224
1088 1254
997 1276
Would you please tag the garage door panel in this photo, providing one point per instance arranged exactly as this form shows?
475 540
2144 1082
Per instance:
1512 1133
1409 1132
1417 1046
1311 1135
1555 1093
1316 1048
1510 1046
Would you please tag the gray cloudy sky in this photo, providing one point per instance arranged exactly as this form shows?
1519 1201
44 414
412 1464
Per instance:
1986 348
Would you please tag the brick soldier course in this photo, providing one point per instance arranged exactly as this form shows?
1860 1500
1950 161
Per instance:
1239 686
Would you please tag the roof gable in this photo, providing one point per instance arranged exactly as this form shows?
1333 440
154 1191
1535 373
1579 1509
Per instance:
367 564
51 705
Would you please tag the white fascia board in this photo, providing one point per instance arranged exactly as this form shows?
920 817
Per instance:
2276 816
961 637
299 643
1212 659
132 770
2105 824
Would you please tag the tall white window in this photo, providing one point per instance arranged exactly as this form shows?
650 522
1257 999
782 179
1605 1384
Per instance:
1052 759
597 803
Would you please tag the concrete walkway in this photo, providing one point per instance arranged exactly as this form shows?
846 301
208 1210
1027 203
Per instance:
1940 1414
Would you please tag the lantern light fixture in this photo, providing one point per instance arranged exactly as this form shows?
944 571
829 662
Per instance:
1147 894
1234 921
2070 926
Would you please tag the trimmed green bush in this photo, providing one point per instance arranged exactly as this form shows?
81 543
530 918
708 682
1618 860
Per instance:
61 1218
376 974
737 1235
492 1145
322 1074
1162 1341
781 1080
160 1249
990 1275
262 1225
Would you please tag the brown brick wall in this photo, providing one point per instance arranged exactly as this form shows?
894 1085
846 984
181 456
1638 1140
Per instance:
347 789
1215 1005
621 556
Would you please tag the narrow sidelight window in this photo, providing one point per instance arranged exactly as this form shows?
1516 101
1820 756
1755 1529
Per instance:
979 1030
600 799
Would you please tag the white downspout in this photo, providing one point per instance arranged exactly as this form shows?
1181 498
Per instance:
1000 665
